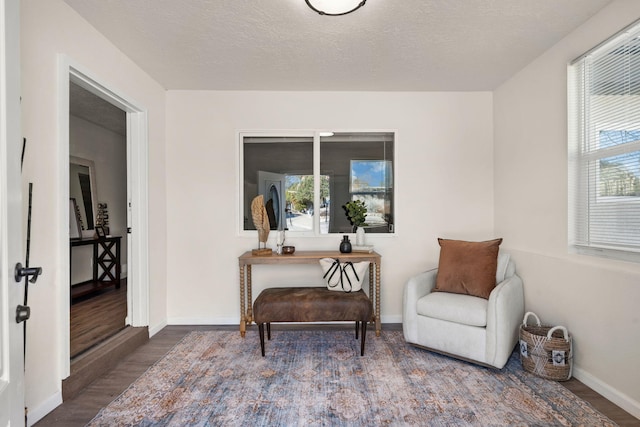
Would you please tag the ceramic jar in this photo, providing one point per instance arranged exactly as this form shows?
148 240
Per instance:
360 239
345 245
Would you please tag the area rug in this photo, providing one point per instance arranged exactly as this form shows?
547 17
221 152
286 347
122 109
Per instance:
318 378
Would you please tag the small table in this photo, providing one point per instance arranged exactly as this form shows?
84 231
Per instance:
247 259
106 255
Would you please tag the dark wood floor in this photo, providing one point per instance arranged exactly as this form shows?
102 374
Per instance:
81 409
96 316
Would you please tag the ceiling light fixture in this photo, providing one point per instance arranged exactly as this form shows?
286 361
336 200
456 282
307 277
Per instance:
331 8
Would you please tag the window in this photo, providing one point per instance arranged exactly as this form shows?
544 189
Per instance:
604 148
304 192
371 182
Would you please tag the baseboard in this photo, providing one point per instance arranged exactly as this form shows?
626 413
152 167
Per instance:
203 321
391 319
157 328
36 414
610 393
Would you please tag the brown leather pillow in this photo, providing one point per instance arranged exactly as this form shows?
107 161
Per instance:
467 267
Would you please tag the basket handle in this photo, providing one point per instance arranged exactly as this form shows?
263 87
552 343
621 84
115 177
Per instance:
526 316
555 328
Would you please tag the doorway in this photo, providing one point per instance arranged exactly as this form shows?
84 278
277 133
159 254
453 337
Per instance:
135 227
98 193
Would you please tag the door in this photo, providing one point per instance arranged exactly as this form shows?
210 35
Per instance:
272 187
11 292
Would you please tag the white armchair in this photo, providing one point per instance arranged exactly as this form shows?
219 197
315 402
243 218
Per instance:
483 331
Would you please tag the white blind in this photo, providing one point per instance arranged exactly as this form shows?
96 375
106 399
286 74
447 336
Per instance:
604 145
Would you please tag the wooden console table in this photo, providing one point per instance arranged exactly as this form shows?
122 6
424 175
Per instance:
247 259
106 255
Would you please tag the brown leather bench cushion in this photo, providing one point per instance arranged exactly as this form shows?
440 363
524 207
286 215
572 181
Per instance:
316 304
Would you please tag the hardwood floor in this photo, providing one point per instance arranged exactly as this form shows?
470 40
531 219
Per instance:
96 317
614 412
81 409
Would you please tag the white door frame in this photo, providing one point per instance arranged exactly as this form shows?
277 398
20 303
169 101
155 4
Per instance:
12 409
137 197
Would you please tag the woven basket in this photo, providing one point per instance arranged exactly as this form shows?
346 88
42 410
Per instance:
546 351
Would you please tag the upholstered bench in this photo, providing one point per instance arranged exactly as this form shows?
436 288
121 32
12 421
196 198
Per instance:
311 304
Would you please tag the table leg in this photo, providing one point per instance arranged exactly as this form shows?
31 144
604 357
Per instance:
242 302
249 297
371 289
378 321
118 267
95 261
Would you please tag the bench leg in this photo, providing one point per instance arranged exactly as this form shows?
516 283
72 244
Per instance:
357 328
261 331
364 334
268 331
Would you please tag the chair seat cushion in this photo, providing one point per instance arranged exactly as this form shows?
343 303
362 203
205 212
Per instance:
457 308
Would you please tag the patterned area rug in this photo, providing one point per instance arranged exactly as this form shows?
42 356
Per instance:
317 378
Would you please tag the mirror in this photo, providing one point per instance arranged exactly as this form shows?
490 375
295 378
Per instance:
82 188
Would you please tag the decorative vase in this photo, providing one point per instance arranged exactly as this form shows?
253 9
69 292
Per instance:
360 239
280 238
345 245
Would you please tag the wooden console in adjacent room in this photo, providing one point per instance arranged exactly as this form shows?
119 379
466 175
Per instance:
106 264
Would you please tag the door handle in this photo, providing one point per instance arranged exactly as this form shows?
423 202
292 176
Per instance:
21 272
23 313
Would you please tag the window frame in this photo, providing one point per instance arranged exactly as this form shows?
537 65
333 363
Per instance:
585 127
316 134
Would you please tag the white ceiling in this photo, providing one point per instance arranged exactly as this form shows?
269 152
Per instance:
87 106
399 45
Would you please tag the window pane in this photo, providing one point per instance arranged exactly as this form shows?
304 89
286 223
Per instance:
618 176
299 195
281 169
611 138
613 209
371 182
358 166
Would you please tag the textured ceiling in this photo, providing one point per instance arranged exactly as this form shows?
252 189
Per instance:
413 45
90 107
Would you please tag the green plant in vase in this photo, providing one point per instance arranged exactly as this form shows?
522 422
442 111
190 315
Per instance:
356 211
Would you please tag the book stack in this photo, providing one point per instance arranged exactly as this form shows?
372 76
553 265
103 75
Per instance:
362 248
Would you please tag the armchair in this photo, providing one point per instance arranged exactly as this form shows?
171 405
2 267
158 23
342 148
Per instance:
482 331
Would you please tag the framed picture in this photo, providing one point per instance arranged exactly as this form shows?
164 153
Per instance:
100 232
75 231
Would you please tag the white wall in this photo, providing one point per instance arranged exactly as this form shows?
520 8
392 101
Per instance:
595 298
108 151
49 28
443 185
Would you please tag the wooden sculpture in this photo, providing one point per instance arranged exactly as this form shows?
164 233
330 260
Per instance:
261 222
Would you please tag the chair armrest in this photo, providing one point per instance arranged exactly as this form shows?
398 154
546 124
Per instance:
505 311
417 287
